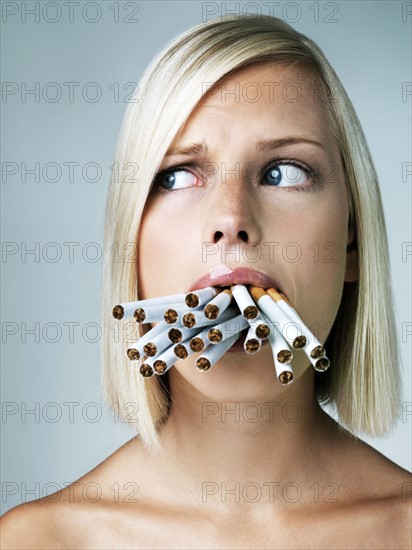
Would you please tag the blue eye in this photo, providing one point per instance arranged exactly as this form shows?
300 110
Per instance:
175 178
286 175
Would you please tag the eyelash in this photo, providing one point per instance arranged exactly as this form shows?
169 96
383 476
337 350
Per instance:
307 187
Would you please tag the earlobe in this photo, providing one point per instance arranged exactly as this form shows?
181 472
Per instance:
352 257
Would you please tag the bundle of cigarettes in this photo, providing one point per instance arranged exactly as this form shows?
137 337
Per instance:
211 320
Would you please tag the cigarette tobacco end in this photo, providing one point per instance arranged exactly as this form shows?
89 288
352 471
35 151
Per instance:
322 364
139 315
197 344
188 320
284 356
150 349
262 331
250 312
175 336
192 299
203 364
133 354
170 316
214 335
159 366
180 351
211 311
299 342
118 312
285 377
252 345
146 370
317 352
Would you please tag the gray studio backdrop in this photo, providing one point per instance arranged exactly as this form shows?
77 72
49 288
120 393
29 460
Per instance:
66 71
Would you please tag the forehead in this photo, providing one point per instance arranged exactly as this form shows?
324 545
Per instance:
270 98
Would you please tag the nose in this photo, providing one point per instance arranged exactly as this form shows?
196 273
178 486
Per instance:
232 214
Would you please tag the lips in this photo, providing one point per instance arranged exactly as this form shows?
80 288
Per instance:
226 276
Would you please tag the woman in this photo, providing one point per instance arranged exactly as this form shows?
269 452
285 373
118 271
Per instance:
245 146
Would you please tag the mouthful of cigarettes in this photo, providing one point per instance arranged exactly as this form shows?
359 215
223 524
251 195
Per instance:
211 320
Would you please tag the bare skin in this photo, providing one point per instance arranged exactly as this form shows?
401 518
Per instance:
277 472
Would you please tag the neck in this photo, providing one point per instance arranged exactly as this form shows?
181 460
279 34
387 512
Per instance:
274 440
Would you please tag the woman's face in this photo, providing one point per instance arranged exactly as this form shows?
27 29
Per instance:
280 208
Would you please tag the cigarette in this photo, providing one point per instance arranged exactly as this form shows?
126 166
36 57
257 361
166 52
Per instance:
151 314
313 348
127 309
179 333
135 350
216 306
172 315
280 349
284 373
189 346
276 315
212 354
192 319
146 369
181 351
157 344
245 302
197 344
199 297
226 329
260 326
252 343
322 364
165 361
282 356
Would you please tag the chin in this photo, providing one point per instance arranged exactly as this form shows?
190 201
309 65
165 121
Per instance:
236 377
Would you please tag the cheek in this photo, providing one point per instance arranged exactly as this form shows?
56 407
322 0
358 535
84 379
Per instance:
311 260
163 243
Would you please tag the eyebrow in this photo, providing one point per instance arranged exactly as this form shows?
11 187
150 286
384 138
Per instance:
201 149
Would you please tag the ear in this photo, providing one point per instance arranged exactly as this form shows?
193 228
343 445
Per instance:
352 258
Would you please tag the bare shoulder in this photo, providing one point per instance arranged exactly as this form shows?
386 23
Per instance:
63 519
378 491
27 525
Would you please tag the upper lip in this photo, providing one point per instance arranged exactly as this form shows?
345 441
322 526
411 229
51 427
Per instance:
225 275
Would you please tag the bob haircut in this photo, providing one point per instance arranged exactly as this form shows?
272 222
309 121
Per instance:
363 384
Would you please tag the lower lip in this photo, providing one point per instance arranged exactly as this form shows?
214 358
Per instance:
238 345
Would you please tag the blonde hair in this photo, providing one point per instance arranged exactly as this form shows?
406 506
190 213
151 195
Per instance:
364 381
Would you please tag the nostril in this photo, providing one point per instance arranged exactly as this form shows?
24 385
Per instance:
218 236
243 235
